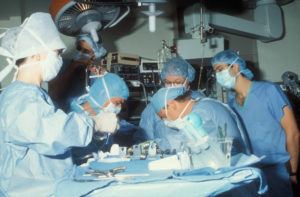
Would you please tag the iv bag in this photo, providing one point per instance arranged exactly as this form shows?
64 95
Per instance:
163 55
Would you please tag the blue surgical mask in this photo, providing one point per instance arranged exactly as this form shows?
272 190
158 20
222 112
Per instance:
225 79
112 108
82 56
51 66
175 124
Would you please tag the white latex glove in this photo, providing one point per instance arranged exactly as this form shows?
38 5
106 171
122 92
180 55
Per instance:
106 122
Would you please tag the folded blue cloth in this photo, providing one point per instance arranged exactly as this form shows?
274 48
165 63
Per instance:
234 176
140 180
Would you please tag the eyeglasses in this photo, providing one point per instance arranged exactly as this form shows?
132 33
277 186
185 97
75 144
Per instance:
219 68
174 83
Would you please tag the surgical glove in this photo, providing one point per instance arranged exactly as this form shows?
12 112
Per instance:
106 122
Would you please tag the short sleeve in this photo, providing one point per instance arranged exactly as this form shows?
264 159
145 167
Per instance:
277 100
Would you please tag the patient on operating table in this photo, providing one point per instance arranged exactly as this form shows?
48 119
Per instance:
201 124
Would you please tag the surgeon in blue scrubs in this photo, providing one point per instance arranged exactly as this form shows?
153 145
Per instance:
107 94
177 107
36 137
268 118
176 73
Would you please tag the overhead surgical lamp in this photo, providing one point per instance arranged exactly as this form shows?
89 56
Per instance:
75 17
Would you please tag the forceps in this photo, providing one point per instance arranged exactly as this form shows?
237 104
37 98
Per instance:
107 173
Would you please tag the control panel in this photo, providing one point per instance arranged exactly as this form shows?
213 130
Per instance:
149 73
142 77
127 72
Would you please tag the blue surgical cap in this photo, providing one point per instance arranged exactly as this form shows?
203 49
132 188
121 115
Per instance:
98 48
106 87
227 57
178 67
170 93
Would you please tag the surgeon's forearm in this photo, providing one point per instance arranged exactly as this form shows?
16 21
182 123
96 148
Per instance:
289 124
293 149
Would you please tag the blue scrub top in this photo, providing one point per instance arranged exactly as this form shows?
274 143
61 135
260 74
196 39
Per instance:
261 114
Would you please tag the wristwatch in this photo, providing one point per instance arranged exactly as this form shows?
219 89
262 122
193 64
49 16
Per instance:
293 173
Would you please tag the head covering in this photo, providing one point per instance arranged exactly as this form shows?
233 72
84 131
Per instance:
228 57
98 49
197 95
178 67
37 34
106 87
164 95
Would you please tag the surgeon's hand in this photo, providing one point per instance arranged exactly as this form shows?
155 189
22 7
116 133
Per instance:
294 179
106 122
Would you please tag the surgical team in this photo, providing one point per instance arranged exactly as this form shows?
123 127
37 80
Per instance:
39 141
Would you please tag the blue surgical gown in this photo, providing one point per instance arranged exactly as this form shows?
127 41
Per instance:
261 114
124 136
35 138
153 128
214 114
